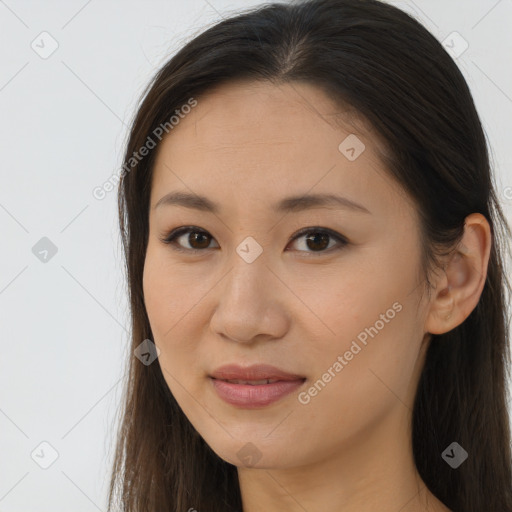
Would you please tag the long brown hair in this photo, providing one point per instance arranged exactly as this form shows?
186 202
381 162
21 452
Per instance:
391 70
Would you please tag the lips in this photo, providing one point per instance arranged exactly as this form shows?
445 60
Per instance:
254 386
255 374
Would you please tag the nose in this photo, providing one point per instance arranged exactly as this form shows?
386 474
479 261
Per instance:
250 303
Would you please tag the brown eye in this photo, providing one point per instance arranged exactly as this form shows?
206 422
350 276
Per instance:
318 240
197 239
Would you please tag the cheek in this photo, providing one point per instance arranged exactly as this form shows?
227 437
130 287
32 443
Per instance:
370 321
169 293
173 299
356 383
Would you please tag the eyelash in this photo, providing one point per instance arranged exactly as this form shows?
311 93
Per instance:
171 237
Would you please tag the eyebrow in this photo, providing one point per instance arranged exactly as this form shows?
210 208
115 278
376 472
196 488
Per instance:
288 204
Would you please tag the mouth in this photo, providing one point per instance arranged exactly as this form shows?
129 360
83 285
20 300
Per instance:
254 386
254 394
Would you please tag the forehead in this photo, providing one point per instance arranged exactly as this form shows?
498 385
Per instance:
243 115
261 141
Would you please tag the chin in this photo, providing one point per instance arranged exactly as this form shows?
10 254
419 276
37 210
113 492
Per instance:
254 453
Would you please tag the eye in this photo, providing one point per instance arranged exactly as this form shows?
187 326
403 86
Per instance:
315 238
197 238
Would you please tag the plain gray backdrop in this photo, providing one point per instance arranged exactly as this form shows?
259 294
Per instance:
70 75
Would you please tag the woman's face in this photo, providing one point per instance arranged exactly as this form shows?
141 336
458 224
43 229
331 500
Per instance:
344 314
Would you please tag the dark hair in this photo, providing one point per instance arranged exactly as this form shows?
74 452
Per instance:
389 69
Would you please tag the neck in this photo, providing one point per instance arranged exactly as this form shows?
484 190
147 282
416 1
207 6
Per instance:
376 471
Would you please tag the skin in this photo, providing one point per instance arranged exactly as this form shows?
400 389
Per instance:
246 146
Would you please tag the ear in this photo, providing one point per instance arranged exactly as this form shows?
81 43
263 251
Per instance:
458 289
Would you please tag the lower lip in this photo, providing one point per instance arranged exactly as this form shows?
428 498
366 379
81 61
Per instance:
260 395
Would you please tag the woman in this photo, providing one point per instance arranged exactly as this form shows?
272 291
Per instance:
314 251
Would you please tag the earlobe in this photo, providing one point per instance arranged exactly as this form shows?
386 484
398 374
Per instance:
459 288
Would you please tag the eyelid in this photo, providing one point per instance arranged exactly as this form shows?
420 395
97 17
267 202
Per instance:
170 238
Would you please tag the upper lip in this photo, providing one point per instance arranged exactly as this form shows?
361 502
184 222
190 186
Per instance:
254 372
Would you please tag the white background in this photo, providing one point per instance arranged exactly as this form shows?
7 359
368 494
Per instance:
64 119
